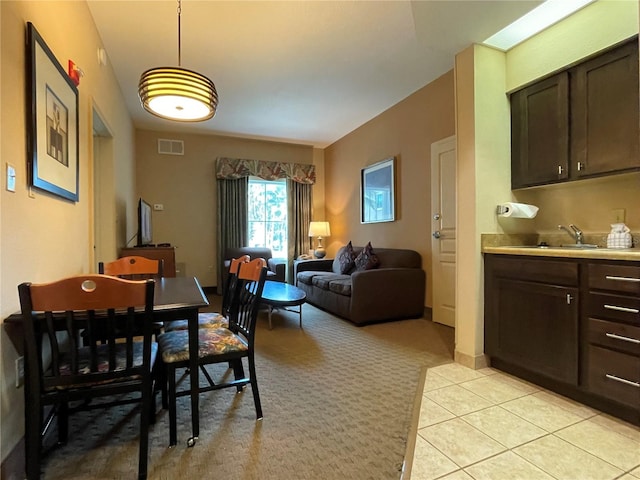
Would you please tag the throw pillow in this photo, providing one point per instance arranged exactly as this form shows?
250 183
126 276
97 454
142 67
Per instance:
367 260
345 259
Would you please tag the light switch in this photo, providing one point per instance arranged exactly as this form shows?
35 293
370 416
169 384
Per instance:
158 207
11 178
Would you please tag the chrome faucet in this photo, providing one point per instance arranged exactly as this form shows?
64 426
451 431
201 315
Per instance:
575 232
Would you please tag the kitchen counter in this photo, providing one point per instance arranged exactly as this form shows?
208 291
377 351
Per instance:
631 254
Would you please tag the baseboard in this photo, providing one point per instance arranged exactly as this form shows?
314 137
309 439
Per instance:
428 313
413 427
12 467
475 362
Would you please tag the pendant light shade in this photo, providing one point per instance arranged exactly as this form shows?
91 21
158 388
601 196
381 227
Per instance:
176 93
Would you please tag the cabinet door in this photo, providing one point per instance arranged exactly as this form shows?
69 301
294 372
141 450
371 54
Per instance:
540 132
605 113
534 326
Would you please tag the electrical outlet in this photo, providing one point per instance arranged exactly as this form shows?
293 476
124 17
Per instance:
19 372
617 215
158 207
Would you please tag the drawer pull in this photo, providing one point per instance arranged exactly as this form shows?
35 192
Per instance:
624 339
621 309
623 279
622 380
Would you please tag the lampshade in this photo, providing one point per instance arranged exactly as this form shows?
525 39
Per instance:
319 229
175 93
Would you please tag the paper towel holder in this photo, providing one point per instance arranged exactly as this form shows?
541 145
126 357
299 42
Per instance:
516 210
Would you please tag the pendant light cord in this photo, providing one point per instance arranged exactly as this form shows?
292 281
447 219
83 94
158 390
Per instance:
179 34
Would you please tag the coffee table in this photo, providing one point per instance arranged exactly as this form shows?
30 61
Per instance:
282 295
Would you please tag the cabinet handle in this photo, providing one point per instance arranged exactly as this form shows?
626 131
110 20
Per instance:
624 339
559 169
622 380
623 279
621 309
569 298
580 166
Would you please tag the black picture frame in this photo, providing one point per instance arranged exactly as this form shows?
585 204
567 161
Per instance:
377 192
52 140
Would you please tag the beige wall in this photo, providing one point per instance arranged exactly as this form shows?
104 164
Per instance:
484 162
44 237
405 131
185 186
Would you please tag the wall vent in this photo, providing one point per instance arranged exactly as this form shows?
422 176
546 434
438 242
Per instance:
170 147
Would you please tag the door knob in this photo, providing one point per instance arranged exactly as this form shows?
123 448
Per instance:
436 234
436 216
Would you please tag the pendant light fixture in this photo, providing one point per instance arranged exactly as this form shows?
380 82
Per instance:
175 93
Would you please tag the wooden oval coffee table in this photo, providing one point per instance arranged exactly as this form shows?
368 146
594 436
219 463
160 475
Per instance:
282 295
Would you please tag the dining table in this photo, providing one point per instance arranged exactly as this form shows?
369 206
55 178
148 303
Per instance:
175 298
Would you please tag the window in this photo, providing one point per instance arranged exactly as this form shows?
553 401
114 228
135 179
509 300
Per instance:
267 216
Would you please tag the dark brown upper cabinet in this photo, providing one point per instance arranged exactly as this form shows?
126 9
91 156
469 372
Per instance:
582 122
540 132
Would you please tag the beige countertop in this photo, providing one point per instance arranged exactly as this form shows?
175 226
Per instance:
524 244
595 253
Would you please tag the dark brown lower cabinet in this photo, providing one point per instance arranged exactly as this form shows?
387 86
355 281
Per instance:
569 325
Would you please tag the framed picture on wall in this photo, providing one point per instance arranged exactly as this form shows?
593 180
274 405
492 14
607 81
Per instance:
53 121
377 192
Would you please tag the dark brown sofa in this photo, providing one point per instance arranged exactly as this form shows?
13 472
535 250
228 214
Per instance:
395 290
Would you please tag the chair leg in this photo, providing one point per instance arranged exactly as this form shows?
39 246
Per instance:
63 422
254 385
238 371
145 415
173 434
33 447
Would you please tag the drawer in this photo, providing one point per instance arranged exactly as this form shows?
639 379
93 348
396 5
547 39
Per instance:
614 307
618 278
536 270
619 336
614 375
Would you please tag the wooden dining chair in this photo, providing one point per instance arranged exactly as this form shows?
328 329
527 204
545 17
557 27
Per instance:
215 319
216 345
133 267
53 315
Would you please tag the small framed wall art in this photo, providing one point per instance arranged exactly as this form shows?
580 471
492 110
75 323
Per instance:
52 111
377 192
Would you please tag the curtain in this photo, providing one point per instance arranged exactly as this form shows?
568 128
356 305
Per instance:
232 222
299 207
232 204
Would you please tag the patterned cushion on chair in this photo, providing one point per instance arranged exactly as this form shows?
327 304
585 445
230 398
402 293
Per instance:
103 362
175 345
205 320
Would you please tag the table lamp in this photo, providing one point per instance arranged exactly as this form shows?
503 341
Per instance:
319 229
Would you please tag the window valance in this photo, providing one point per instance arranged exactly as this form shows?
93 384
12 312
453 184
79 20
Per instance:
234 168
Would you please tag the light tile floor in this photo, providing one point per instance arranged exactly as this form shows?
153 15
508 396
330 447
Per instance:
485 424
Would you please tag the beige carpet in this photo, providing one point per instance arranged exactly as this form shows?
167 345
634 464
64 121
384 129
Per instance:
337 400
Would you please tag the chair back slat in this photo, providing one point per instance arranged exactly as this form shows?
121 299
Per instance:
133 267
244 308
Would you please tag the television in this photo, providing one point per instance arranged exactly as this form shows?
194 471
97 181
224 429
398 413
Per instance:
145 233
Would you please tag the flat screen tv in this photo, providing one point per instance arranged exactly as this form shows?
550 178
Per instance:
145 233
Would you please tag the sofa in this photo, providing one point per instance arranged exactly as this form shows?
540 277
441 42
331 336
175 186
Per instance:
391 290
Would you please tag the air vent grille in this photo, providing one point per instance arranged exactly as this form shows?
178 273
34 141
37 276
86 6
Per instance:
170 147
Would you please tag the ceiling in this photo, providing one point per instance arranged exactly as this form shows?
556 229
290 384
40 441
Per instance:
306 72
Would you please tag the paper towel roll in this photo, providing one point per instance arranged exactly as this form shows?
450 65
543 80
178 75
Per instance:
517 210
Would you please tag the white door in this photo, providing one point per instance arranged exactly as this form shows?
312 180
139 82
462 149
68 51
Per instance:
443 230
